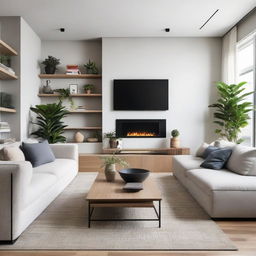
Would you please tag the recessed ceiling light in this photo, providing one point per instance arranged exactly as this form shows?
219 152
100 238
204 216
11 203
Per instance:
62 29
167 30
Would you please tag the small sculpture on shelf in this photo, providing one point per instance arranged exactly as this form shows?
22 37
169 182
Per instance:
79 137
47 88
96 137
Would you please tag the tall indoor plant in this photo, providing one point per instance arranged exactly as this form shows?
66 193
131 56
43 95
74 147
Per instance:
49 119
232 110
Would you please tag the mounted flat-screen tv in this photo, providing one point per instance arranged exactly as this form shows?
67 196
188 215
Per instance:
141 94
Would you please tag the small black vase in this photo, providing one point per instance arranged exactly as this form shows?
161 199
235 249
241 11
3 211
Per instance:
50 69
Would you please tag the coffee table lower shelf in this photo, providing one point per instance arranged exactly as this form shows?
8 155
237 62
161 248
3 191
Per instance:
108 204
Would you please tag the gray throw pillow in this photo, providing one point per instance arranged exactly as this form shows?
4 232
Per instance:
209 150
217 159
38 153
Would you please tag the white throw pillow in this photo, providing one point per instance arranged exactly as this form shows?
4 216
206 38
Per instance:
243 160
224 144
201 149
13 153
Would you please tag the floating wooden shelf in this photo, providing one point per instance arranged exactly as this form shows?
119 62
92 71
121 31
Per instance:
5 75
85 111
9 110
65 76
168 151
83 128
71 95
7 49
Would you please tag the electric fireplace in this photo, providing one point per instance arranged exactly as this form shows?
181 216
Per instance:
141 128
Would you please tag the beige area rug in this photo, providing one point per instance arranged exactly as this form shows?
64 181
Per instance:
63 225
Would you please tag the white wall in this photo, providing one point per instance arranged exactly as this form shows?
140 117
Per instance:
30 45
192 65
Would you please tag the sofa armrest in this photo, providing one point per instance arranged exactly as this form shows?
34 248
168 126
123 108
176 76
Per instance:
67 151
15 177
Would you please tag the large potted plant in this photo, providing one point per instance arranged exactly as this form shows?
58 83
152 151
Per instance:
109 162
49 119
232 110
51 64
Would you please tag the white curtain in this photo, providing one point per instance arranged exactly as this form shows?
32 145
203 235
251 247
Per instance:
229 56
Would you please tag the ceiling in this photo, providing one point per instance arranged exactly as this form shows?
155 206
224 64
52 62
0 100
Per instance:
87 19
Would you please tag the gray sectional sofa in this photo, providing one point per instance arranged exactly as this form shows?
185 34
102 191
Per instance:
225 193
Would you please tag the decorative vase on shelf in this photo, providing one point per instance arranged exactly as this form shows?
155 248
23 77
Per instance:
88 91
79 137
175 142
47 88
110 172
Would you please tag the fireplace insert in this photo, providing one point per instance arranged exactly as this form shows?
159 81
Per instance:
141 128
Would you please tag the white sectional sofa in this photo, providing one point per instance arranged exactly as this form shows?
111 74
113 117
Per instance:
26 191
222 193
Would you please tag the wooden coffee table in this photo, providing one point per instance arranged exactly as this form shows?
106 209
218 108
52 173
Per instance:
105 194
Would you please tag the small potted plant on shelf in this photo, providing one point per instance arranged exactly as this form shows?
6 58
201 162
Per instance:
114 142
51 64
175 141
65 94
91 67
109 162
88 88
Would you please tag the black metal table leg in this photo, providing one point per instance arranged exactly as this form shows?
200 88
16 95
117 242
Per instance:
89 215
159 213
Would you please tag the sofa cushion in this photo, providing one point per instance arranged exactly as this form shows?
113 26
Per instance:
221 180
38 153
217 159
59 168
243 160
183 163
40 183
209 150
13 153
220 143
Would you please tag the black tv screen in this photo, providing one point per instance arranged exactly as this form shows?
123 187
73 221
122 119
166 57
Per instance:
141 94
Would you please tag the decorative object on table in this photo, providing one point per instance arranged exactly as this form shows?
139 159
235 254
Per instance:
109 162
79 137
47 88
175 141
88 88
134 174
91 67
72 70
73 88
113 140
232 110
65 94
96 137
133 186
51 64
6 100
49 119
5 60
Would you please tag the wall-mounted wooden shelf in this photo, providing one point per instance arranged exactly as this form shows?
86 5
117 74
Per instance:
65 76
5 75
8 110
71 95
83 128
85 111
7 49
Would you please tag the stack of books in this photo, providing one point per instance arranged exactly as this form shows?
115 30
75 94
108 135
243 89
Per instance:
4 127
72 70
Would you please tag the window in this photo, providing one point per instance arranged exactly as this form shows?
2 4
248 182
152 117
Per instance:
246 73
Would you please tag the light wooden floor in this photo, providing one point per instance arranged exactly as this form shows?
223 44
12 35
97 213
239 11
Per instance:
242 233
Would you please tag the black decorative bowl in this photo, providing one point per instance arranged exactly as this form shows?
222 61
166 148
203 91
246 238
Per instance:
134 174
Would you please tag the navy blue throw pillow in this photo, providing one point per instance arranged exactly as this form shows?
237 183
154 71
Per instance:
217 159
209 150
38 153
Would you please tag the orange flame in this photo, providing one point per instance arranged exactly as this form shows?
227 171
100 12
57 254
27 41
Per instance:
139 134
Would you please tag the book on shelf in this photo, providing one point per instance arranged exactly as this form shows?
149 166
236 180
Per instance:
72 70
4 127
